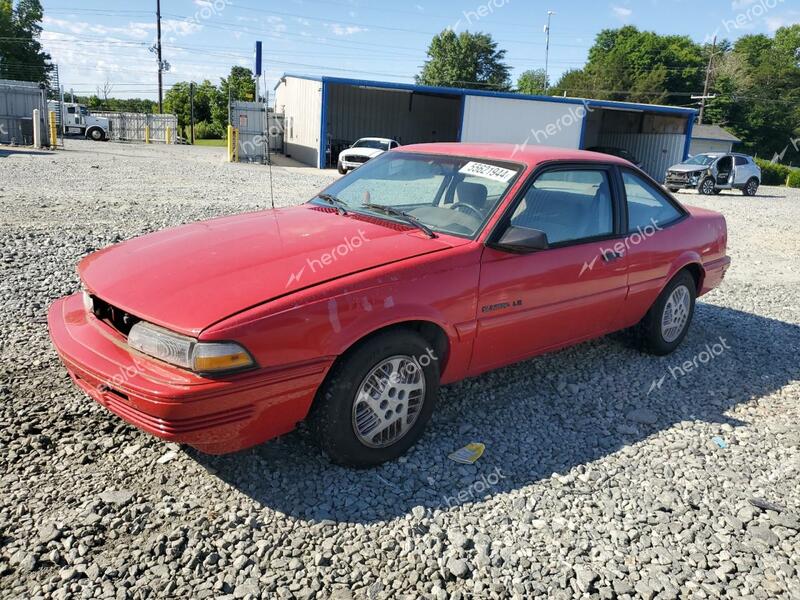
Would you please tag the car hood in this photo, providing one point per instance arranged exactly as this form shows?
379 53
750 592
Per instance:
190 277
681 168
371 152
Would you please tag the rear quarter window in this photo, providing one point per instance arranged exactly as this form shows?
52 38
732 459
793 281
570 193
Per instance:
647 206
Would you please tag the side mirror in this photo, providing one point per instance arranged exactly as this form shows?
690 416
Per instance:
522 240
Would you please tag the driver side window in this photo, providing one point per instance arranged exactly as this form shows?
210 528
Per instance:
568 205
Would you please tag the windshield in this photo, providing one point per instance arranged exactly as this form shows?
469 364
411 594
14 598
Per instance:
701 159
449 194
374 144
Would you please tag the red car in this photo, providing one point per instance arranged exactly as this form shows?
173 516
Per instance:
429 264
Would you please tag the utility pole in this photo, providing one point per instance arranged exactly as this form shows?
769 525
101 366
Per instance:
708 79
191 101
550 13
160 62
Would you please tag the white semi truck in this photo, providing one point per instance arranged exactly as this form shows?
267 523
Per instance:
76 119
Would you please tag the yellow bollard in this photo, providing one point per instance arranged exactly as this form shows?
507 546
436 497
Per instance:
53 131
147 134
169 135
231 145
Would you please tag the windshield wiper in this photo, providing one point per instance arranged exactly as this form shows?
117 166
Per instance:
340 205
408 218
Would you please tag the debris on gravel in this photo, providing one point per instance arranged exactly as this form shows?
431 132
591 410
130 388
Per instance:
600 476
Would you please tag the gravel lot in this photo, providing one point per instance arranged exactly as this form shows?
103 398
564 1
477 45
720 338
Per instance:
595 481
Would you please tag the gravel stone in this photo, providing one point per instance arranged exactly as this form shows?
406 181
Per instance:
592 484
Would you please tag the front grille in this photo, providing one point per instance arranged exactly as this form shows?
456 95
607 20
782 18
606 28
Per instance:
116 317
357 159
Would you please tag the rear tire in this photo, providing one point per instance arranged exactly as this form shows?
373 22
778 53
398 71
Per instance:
751 187
387 420
665 325
707 186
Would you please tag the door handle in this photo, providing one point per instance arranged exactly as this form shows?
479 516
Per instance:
611 256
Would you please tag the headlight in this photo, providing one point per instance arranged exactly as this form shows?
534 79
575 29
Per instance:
186 352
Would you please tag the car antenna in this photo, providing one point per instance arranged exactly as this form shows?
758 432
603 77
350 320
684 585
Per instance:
269 159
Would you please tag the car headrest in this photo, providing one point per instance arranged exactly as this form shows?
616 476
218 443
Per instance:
473 194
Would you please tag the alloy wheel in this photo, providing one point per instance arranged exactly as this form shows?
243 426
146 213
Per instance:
388 401
676 313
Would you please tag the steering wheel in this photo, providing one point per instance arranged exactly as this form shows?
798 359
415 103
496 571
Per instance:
469 207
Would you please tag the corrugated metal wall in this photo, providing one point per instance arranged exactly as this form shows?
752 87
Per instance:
300 101
18 99
511 121
656 151
255 125
129 127
410 118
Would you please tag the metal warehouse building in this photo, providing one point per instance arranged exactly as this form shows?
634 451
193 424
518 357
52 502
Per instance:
325 115
18 100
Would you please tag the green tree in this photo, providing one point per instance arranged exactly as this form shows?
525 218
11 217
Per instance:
757 85
469 60
532 82
206 97
21 54
239 85
639 66
177 102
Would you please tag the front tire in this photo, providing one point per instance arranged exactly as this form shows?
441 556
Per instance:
665 325
341 169
673 190
96 135
707 186
377 400
751 187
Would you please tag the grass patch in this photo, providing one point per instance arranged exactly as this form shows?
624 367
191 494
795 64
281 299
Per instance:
220 143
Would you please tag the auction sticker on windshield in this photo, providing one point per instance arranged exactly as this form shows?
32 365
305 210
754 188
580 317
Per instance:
487 171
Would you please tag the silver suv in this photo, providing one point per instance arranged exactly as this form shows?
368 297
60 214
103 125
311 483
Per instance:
716 171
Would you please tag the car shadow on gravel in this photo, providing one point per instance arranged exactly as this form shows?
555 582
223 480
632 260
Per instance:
548 415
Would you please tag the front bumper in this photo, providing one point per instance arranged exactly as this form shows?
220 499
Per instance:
674 180
215 416
349 163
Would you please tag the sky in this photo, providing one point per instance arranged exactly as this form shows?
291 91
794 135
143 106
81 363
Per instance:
105 43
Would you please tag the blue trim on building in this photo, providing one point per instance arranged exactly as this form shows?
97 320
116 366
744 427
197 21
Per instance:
688 144
323 127
582 142
449 91
704 139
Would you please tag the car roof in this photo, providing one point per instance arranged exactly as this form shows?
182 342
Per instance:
375 139
530 155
